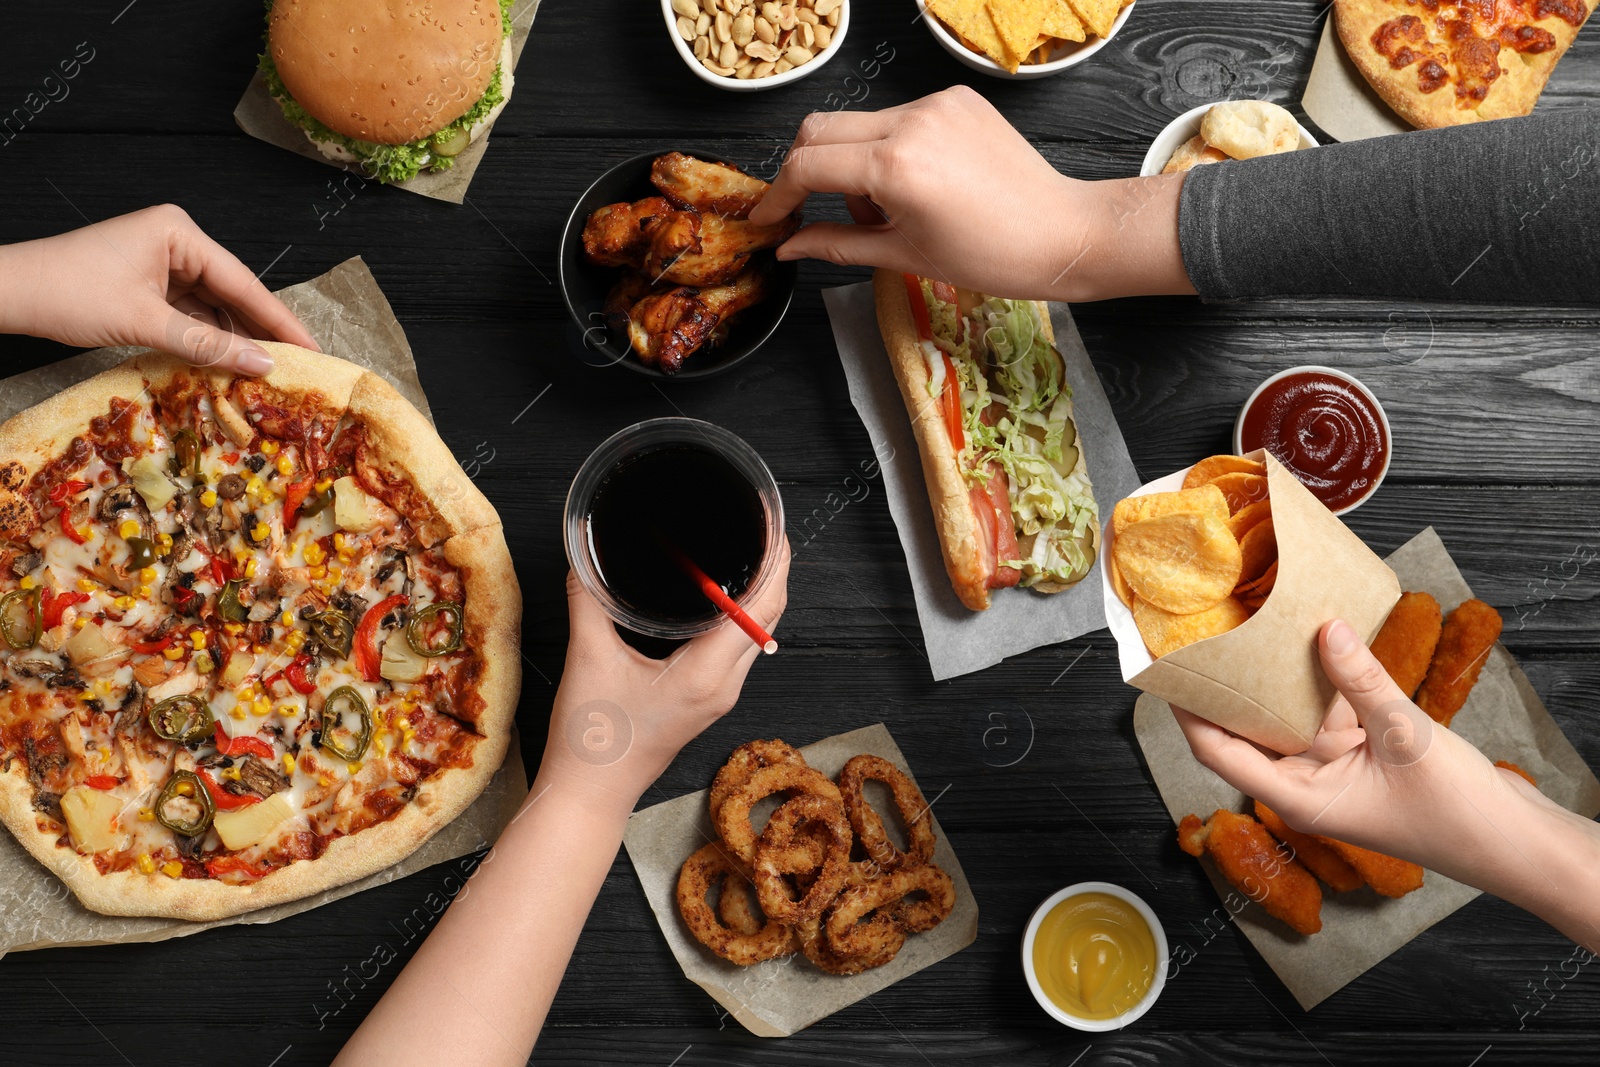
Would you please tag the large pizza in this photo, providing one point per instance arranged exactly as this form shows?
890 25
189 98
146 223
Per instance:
1447 62
258 637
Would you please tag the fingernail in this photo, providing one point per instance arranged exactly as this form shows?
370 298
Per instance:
253 361
786 253
1341 638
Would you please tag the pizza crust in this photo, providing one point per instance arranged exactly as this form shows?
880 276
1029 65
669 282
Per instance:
1515 92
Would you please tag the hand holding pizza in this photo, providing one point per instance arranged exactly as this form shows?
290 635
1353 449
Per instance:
620 717
944 187
149 278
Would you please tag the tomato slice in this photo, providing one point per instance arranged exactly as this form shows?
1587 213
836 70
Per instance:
1005 528
919 307
943 291
102 781
950 402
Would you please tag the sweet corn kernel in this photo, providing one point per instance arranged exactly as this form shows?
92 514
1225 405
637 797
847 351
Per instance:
128 528
148 575
208 498
288 711
324 485
184 788
233 627
86 586
324 781
175 652
285 465
197 638
354 766
172 868
125 602
335 573
338 542
144 592
402 722
250 691
236 713
102 688
254 486
80 622
288 763
319 573
250 567
258 649
146 815
269 448
297 640
287 618
346 556
261 706
27 582
146 864
164 540
230 774
259 532
315 556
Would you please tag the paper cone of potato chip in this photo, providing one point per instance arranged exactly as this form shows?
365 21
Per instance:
1261 678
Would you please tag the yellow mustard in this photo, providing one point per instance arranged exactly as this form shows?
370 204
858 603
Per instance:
1094 956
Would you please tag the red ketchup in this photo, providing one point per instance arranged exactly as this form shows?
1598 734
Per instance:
1327 432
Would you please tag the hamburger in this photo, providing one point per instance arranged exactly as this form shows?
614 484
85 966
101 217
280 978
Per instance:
395 87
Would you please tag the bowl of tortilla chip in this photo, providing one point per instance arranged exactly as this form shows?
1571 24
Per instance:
1023 38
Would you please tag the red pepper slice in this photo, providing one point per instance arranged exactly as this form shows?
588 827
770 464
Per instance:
58 493
919 307
151 648
364 649
53 606
185 600
242 746
70 530
295 673
223 799
217 866
230 457
294 494
102 781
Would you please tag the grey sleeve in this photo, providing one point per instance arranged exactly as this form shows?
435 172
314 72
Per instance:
1505 211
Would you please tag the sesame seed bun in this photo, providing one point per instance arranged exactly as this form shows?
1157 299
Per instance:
391 72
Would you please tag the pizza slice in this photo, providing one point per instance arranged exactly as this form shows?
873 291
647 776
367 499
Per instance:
258 637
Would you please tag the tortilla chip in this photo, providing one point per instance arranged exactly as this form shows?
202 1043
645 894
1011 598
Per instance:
1097 15
971 21
1018 23
1060 22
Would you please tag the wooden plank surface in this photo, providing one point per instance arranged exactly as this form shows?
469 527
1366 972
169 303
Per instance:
1497 445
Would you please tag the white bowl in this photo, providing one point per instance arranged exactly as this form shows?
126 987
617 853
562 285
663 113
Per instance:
1066 55
1354 383
754 85
1182 128
1157 933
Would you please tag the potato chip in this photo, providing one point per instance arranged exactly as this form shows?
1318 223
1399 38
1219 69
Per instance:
1164 632
1018 22
1259 588
1248 516
1183 563
1119 584
970 19
1213 467
1259 550
1059 21
1097 15
1204 500
1241 489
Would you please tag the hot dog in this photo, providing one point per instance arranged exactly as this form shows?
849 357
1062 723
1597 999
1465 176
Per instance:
992 414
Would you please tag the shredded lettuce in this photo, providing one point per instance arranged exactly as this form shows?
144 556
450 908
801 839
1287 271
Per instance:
388 162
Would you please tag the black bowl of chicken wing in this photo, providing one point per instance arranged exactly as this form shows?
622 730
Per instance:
663 273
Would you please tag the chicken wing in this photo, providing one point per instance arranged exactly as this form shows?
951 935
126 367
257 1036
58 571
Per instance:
1405 644
630 288
1319 858
1464 645
1248 857
646 234
712 188
665 328
724 249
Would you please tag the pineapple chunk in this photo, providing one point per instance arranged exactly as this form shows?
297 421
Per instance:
244 827
352 508
91 818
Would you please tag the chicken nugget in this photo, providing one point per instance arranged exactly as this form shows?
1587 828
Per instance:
1405 644
1464 643
1248 857
1387 875
1319 859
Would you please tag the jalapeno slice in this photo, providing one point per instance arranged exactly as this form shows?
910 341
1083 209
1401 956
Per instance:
416 629
185 454
186 785
141 553
182 719
333 629
335 733
20 634
228 605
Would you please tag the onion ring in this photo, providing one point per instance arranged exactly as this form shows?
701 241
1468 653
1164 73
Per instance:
849 936
746 760
781 844
710 863
869 826
733 817
736 906
814 943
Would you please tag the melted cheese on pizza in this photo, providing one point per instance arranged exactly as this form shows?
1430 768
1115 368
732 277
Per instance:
190 555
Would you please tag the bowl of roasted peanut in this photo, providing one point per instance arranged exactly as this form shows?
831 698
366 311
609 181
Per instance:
750 45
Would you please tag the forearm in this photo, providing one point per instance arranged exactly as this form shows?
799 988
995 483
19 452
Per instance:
19 283
1129 246
498 954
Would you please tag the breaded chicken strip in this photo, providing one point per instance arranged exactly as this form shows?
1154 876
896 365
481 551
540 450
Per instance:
1319 858
1248 857
1468 635
1387 876
1405 644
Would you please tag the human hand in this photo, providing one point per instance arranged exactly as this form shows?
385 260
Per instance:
945 187
620 717
150 278
1380 773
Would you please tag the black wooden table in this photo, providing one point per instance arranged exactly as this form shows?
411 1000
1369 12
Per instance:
1497 445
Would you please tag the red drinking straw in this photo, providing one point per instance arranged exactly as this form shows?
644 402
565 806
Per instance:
714 593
